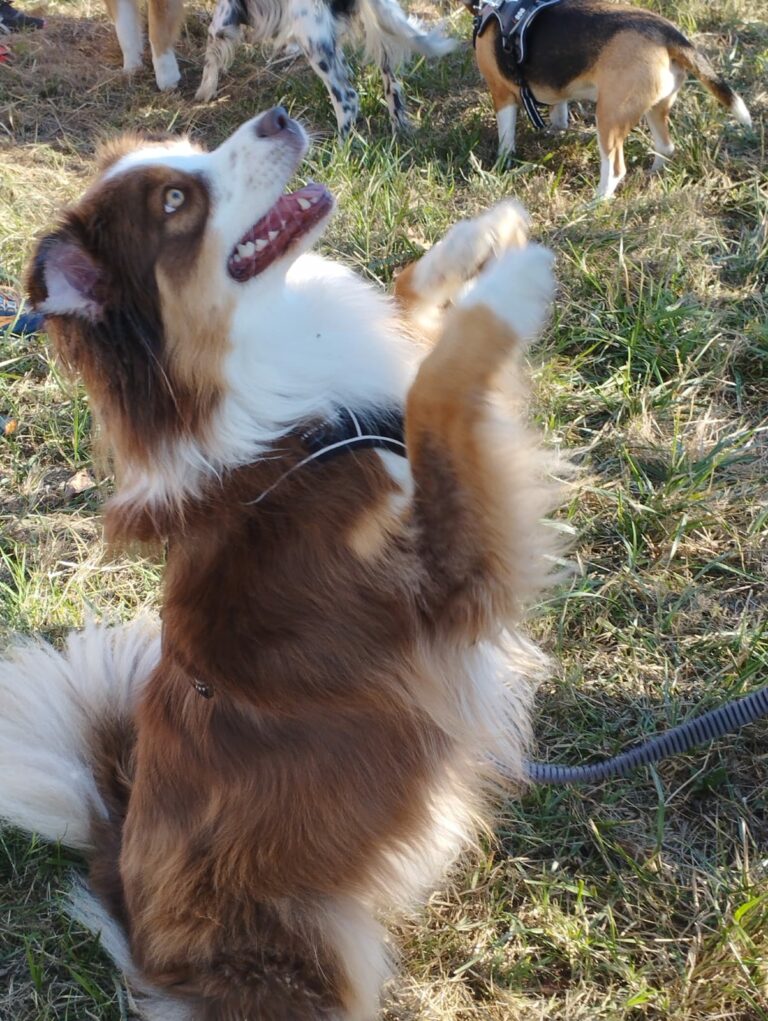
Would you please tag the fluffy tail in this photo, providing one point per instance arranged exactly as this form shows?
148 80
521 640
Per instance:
694 61
57 710
391 36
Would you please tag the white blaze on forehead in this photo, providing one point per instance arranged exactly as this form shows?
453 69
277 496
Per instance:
244 179
178 154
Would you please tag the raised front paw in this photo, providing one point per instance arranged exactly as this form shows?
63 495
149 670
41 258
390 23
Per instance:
443 273
518 288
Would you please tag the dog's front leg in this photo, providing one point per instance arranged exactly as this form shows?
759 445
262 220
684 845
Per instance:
504 92
165 19
223 35
125 17
506 121
316 32
439 277
478 500
393 92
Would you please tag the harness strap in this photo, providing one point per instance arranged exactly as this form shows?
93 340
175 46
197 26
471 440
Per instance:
381 428
514 18
531 106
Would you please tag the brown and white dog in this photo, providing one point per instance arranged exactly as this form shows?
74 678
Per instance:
629 61
315 734
164 18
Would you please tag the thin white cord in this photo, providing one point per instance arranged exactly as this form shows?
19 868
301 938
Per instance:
355 420
333 446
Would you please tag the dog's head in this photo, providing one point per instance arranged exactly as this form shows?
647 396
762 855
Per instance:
141 279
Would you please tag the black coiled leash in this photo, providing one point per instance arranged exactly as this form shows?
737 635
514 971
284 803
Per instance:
712 725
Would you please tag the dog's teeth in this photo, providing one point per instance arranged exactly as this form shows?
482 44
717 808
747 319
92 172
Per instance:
272 235
304 204
237 257
260 245
246 250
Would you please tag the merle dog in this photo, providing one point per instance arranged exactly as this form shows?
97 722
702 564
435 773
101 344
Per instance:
317 28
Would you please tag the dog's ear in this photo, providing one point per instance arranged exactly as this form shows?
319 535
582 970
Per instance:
64 279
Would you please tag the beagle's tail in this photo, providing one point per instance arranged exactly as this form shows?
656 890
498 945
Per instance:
694 61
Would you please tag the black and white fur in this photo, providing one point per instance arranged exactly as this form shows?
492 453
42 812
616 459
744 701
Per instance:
317 28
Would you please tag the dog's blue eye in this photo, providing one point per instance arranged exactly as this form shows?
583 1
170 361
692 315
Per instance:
173 198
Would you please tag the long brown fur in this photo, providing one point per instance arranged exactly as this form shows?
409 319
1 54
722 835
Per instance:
255 833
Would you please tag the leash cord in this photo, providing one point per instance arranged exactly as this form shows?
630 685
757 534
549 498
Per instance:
350 441
712 725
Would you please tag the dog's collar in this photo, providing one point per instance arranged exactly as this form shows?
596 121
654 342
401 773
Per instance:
514 18
381 428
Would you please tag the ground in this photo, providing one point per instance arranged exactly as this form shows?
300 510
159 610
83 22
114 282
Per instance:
644 898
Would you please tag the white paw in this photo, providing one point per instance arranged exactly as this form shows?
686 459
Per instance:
290 51
558 117
518 288
507 224
167 72
467 247
740 111
132 64
207 89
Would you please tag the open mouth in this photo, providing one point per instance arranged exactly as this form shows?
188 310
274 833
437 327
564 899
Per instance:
291 217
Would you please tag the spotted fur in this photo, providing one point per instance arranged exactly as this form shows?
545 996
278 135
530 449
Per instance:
318 28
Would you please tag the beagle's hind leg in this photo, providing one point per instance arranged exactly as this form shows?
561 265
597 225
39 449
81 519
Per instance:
658 123
558 116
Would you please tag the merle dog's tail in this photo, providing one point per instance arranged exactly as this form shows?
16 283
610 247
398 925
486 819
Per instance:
391 36
60 713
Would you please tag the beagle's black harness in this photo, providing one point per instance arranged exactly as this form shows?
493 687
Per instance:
515 18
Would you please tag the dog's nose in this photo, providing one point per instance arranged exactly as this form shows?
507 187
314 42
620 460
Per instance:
272 122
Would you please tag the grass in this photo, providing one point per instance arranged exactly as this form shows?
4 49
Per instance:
639 899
